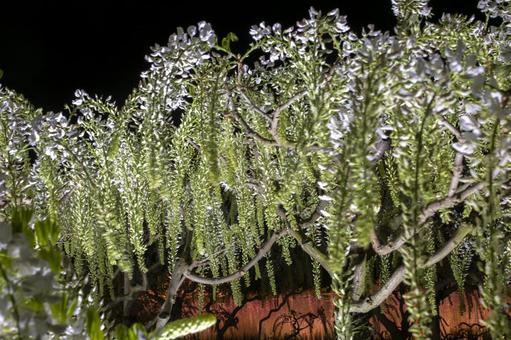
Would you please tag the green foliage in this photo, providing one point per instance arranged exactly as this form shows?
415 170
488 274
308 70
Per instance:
226 42
182 327
35 299
94 325
331 141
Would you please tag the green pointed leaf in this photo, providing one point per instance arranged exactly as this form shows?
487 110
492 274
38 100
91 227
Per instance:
182 327
94 325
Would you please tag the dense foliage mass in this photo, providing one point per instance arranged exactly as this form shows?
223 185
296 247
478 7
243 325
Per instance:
380 155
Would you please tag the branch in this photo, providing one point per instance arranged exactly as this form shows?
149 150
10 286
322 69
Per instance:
278 111
253 105
397 277
316 215
175 282
358 278
382 146
307 246
428 212
458 160
456 173
251 132
451 128
238 274
313 252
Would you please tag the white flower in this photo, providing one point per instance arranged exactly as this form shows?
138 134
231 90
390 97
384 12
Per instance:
342 24
259 31
464 148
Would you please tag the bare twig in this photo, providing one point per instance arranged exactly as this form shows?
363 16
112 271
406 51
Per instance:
456 173
397 277
253 105
276 113
429 211
451 128
238 274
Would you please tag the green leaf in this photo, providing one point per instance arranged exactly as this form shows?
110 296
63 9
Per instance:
34 304
64 309
54 258
226 42
20 224
1 73
182 327
135 332
113 148
47 233
94 325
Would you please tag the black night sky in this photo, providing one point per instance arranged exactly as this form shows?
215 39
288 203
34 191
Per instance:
50 48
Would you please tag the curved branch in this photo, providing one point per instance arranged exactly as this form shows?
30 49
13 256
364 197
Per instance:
316 215
253 105
429 211
397 277
238 274
307 246
313 252
278 111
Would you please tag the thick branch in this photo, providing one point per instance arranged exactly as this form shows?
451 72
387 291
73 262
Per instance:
175 282
397 277
236 275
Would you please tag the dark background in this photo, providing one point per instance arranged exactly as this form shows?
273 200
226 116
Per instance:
50 48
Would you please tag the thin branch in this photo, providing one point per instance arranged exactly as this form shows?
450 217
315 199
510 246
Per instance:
316 215
456 173
278 111
451 128
397 277
307 246
429 211
238 274
458 160
312 251
203 262
253 105
251 132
